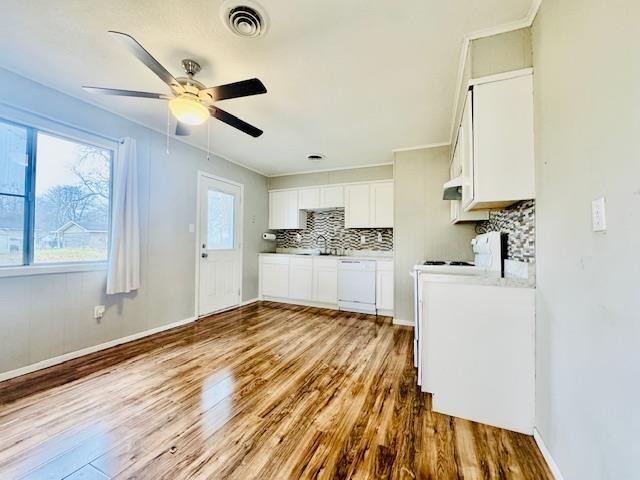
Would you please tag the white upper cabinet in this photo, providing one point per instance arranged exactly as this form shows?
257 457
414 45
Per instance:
357 206
366 205
308 198
498 167
284 212
382 205
332 197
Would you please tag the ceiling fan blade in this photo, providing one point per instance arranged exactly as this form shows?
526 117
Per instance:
146 58
182 129
243 88
126 93
234 121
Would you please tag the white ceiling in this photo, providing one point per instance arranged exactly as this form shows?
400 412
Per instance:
351 79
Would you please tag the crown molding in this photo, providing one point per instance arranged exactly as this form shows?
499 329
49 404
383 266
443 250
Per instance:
421 147
323 170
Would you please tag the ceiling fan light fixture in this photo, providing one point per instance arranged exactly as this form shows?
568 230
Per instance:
188 110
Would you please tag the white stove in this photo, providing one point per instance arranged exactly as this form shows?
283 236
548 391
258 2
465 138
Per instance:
489 251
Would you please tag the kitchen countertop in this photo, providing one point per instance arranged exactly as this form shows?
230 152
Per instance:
363 255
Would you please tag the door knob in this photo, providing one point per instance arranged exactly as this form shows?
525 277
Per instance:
205 255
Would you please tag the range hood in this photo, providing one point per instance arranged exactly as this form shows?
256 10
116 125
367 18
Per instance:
452 190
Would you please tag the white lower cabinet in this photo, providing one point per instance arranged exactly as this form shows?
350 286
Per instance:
300 278
274 276
314 280
384 285
325 280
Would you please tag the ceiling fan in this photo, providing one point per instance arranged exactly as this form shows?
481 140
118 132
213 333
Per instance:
190 101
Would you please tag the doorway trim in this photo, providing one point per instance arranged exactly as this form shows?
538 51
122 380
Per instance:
202 174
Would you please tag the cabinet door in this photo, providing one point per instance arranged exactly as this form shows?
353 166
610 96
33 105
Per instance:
503 160
274 276
308 198
357 208
465 146
384 286
325 281
300 278
382 205
331 197
284 212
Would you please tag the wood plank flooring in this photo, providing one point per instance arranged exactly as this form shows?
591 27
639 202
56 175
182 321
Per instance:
267 391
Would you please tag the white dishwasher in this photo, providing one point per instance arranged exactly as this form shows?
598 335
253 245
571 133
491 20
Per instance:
357 285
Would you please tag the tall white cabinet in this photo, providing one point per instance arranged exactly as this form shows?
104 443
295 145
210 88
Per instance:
498 158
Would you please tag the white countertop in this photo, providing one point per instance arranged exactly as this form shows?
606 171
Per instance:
355 255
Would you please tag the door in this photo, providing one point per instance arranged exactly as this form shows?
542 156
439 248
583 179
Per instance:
220 245
325 280
382 205
357 206
274 276
300 278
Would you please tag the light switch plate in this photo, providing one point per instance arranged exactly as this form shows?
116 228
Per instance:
192 228
598 215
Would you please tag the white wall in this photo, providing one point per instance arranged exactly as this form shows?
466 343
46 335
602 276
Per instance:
587 121
421 220
48 315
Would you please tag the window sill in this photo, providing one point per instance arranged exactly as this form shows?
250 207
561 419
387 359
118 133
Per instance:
25 270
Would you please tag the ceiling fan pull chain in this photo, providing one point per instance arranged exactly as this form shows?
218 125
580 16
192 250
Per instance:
208 139
168 126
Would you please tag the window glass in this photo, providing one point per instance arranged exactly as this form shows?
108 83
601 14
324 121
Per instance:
13 158
11 230
72 192
220 222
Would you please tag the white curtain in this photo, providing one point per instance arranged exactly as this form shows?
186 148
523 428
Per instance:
124 256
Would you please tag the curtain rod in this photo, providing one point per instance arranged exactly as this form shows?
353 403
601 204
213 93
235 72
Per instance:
60 122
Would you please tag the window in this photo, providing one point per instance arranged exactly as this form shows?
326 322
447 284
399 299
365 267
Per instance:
220 231
54 198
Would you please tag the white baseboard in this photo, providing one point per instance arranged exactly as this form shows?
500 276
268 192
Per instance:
399 321
303 303
250 301
50 362
553 466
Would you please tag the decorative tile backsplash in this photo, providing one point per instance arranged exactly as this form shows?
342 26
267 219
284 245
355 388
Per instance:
330 223
519 223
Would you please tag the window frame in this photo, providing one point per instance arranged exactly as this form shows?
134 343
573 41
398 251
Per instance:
28 266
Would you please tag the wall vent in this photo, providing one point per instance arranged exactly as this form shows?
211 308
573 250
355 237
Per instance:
244 18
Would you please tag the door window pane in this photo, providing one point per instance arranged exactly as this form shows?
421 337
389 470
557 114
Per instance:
13 158
72 201
220 222
11 230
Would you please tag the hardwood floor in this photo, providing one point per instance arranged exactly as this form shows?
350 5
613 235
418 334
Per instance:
264 391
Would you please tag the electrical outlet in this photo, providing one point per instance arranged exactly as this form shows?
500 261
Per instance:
363 239
98 311
298 237
380 237
598 215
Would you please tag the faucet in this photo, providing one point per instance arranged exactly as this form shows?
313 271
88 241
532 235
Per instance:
324 250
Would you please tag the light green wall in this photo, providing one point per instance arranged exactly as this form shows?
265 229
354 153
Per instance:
587 119
44 316
365 174
486 56
421 220
501 53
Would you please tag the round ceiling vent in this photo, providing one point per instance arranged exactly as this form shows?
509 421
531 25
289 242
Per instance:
315 157
244 18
